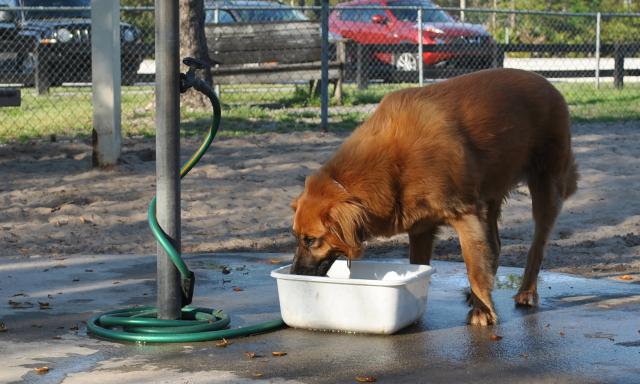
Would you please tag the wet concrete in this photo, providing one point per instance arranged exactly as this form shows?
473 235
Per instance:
584 331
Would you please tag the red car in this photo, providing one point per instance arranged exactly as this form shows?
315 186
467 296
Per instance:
382 24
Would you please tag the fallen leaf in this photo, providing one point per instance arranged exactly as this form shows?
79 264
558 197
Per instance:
44 305
116 282
495 337
257 374
561 333
57 338
251 355
279 354
626 277
3 328
42 370
275 261
366 379
223 343
238 289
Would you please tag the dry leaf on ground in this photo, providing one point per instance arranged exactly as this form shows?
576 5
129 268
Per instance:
42 370
495 337
626 277
366 379
223 343
279 354
238 289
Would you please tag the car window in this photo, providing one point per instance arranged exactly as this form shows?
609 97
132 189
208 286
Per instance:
270 15
57 3
224 17
360 15
429 15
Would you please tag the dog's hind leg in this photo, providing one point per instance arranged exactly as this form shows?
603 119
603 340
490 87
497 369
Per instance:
547 200
480 258
493 214
421 239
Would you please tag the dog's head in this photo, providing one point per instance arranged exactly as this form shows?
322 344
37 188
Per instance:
328 223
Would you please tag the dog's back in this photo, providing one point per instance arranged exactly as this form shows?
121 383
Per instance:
480 133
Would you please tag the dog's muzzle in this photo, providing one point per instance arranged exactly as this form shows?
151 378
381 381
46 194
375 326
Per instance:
304 264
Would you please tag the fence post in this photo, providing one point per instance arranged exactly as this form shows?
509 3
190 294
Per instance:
105 72
167 152
324 79
420 49
216 20
618 65
598 20
361 76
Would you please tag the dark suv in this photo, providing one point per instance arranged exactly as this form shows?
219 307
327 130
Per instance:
55 45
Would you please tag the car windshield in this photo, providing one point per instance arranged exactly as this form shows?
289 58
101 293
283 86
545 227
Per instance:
280 14
49 14
429 14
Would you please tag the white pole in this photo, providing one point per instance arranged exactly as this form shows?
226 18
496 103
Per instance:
463 5
105 72
598 19
420 49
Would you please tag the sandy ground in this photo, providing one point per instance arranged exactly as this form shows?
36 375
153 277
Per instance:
53 203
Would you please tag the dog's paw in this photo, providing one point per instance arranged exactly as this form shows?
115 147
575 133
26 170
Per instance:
478 316
526 298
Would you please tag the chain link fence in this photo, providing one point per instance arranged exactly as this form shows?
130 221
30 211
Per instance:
269 57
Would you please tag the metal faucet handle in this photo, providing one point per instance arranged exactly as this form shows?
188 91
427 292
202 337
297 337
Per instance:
194 63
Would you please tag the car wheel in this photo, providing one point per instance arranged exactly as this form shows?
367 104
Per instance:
406 62
27 66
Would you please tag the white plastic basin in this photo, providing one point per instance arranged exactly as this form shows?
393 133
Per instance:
372 297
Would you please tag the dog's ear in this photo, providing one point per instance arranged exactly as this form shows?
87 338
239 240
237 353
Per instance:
346 220
294 204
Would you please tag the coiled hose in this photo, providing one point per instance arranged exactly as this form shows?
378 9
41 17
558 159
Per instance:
140 324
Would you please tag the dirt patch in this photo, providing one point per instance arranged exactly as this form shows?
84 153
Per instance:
53 202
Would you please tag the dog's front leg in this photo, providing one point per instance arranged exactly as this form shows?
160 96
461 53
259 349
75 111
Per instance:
479 258
421 239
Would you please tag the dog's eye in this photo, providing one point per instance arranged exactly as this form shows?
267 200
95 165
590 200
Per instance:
308 241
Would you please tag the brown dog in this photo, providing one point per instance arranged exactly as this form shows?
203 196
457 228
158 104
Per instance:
444 154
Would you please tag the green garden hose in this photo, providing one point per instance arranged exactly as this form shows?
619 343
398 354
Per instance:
140 324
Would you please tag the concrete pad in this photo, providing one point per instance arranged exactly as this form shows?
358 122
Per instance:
584 331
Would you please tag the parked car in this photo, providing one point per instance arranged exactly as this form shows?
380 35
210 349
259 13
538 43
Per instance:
60 48
382 27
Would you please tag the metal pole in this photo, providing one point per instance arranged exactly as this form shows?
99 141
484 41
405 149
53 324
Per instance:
324 80
598 19
420 49
168 152
463 5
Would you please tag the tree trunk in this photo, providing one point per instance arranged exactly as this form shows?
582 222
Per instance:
193 43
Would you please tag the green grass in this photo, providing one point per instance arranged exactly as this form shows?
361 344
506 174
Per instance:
249 109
